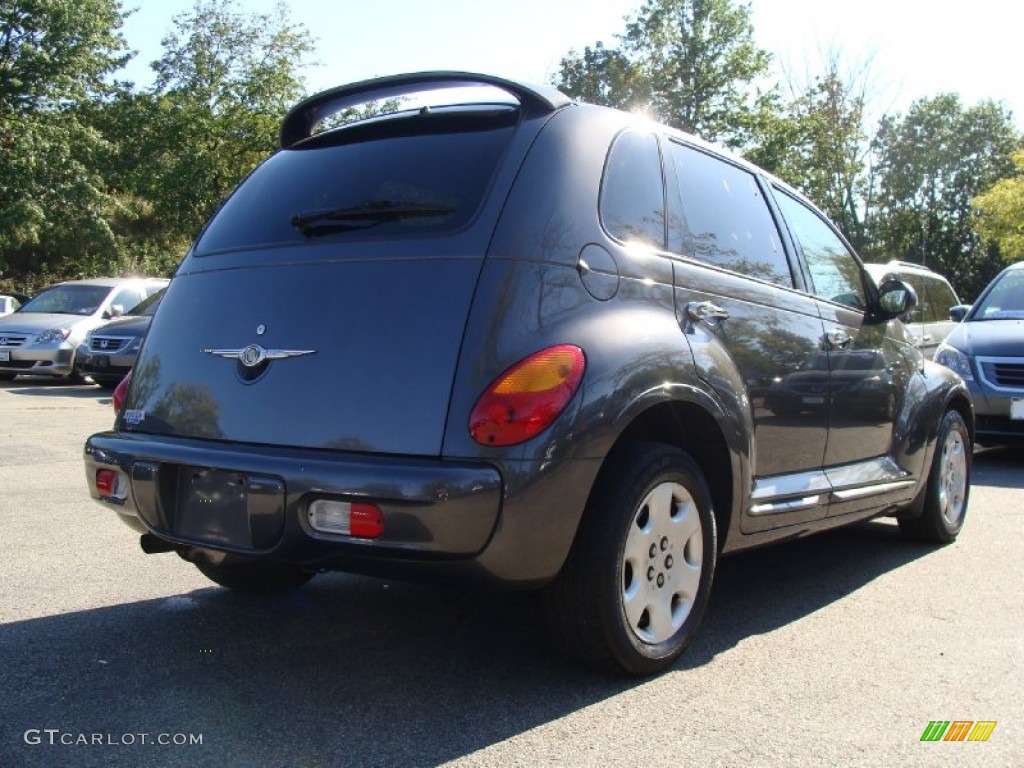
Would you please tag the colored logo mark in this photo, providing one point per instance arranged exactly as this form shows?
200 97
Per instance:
958 730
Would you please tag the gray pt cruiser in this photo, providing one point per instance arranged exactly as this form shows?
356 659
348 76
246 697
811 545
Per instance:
527 343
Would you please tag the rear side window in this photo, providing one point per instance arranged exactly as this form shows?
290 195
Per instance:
940 298
723 218
633 193
394 177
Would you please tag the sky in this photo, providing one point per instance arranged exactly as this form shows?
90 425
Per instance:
910 49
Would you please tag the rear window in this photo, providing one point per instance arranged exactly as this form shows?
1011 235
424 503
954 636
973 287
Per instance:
426 173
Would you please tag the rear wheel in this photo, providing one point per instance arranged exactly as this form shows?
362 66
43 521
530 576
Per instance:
7 376
636 585
949 486
256 576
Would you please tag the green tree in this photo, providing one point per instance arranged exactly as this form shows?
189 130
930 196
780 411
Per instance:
223 84
604 76
817 143
931 164
55 57
999 212
691 62
57 53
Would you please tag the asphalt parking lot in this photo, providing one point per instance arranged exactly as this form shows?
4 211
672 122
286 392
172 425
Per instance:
837 650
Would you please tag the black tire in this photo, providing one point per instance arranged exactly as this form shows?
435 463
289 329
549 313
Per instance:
635 588
944 506
7 376
256 577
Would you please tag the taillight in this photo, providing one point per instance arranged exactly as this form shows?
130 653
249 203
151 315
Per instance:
111 484
528 397
117 400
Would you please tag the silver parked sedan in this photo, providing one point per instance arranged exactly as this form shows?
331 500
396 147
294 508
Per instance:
987 350
109 351
42 337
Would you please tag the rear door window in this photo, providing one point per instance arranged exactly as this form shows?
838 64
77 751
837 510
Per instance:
940 299
721 217
393 177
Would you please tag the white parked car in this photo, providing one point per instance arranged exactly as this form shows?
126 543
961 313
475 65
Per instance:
932 320
42 337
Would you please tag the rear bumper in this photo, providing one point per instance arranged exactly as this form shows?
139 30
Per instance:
252 501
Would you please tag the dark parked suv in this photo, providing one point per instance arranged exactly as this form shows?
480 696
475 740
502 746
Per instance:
526 343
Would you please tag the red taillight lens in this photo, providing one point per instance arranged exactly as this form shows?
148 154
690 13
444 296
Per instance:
366 521
117 400
528 397
106 481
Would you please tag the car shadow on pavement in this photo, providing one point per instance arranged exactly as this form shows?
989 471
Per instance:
356 671
55 389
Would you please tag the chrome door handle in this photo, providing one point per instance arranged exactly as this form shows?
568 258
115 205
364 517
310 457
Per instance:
710 313
838 338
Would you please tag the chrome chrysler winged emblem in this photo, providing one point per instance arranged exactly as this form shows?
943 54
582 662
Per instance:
254 354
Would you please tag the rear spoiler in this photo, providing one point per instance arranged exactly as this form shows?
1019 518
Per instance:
302 119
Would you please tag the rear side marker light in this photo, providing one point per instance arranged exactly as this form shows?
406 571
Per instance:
358 519
117 400
528 397
110 484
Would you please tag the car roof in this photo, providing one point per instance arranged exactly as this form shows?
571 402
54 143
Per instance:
110 282
900 266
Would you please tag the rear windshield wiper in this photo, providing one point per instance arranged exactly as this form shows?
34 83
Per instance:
365 215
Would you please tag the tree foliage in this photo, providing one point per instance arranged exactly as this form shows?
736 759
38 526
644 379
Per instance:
931 164
223 83
55 55
100 176
693 63
603 76
999 212
817 142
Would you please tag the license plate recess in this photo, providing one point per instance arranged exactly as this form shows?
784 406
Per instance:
233 510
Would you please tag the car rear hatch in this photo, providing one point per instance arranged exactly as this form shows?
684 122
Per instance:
324 305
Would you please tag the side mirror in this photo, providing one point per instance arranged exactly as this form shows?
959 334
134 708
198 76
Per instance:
895 298
116 310
959 312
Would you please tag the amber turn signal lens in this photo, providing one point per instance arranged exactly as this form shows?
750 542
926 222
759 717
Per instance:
528 397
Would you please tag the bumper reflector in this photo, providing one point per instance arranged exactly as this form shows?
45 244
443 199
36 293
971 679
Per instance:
357 519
